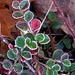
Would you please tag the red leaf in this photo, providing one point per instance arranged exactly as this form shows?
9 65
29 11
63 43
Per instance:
3 70
34 52
35 24
13 73
10 46
23 59
40 69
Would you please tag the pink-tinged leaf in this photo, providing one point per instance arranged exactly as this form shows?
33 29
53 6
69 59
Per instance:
23 59
3 70
10 46
34 52
40 69
35 25
13 73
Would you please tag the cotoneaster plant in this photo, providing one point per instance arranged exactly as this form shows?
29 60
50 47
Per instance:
27 47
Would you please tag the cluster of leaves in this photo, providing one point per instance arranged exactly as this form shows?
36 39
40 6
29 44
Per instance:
28 45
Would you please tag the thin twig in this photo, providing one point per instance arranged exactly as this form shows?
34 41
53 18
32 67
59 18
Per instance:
69 27
43 64
45 17
52 39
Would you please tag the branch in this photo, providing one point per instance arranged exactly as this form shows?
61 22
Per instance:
69 27
45 17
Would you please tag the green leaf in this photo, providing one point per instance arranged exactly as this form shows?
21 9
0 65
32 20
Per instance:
24 5
15 51
18 68
21 25
20 41
28 16
29 35
27 40
56 67
67 63
46 40
17 15
55 72
56 25
45 25
71 68
11 55
73 73
49 72
73 45
57 54
25 72
32 45
40 37
60 45
41 52
15 4
27 55
65 56
47 45
51 15
67 42
50 63
7 64
61 65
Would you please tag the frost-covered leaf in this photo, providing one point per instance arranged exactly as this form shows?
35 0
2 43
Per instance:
27 55
24 5
61 65
51 15
13 73
17 15
46 40
55 72
7 64
56 67
28 16
34 52
57 54
35 25
40 69
65 56
70 68
18 68
50 63
15 4
56 25
67 42
32 45
11 55
40 37
29 35
3 70
10 46
49 72
67 63
20 41
23 26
